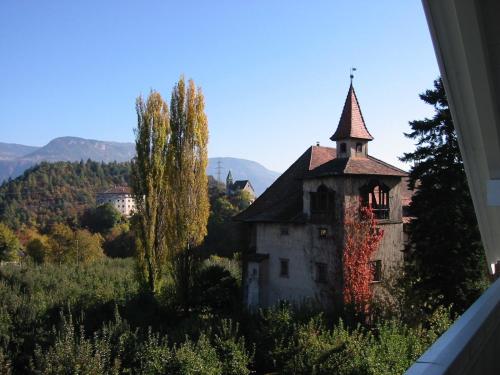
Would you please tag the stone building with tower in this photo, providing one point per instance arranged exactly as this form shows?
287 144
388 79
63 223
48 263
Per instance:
235 187
295 229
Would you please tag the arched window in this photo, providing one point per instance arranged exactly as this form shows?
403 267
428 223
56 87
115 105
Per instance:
343 148
322 201
359 148
376 195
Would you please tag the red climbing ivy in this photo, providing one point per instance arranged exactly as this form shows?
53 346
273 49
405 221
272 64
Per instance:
361 241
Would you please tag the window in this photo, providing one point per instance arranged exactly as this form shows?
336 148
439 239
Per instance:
376 270
321 272
284 230
284 268
322 201
323 232
343 148
359 148
376 195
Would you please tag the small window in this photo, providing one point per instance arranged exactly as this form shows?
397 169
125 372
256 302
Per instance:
343 148
377 270
284 230
323 233
321 272
359 148
322 201
284 268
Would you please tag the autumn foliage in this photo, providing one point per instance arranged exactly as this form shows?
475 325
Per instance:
361 241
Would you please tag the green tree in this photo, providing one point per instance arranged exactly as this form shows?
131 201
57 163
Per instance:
101 219
68 246
9 244
188 163
242 199
446 259
60 243
223 233
169 178
87 247
151 188
38 248
120 242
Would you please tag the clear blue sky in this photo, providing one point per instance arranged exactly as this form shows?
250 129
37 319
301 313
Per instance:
275 73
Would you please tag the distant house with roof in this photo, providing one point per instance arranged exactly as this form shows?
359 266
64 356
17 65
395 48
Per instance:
296 227
120 197
235 187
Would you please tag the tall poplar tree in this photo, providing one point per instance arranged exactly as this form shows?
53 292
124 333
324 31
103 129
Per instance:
446 262
169 180
151 188
188 160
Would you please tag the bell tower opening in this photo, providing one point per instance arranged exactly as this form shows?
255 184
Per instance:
352 136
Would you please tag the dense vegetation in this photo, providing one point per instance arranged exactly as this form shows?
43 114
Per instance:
94 319
446 262
68 307
57 192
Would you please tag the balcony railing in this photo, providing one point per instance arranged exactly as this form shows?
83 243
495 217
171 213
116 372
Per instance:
381 213
471 345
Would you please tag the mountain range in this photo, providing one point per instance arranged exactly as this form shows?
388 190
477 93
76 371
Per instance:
16 158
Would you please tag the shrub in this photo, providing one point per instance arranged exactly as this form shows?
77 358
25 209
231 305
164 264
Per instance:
120 242
33 295
155 357
5 366
270 329
195 358
73 353
215 288
231 349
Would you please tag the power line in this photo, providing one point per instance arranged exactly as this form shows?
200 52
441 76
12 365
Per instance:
219 169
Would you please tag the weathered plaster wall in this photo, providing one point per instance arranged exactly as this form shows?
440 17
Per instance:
303 248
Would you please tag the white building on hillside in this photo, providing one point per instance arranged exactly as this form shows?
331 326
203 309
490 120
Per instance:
120 197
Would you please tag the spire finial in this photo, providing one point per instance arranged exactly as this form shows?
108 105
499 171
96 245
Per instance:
352 73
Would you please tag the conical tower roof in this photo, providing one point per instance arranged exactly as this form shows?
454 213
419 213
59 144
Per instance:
351 124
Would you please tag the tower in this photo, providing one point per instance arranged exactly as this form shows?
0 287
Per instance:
229 182
352 136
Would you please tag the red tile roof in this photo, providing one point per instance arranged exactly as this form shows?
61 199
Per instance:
282 201
351 124
358 166
117 190
320 155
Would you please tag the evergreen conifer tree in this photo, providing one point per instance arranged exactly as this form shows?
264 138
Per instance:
445 261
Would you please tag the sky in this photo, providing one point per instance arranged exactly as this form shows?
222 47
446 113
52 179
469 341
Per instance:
274 73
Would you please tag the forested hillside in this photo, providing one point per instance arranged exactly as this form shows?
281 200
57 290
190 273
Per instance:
56 192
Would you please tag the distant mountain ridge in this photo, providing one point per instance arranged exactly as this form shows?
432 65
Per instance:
16 158
76 149
9 151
